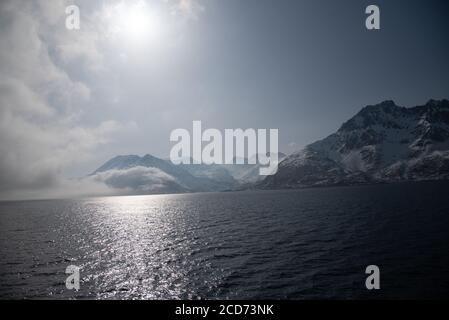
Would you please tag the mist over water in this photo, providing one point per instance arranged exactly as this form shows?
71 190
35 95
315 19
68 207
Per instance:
295 244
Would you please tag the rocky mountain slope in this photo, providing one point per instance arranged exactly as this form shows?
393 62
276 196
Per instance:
381 143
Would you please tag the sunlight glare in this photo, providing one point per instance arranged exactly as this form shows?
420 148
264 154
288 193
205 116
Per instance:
136 23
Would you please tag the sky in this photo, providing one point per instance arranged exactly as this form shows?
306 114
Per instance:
136 70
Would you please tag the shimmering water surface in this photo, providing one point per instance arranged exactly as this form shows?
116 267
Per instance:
303 244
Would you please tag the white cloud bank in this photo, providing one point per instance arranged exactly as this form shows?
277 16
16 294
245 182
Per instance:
39 103
48 77
138 180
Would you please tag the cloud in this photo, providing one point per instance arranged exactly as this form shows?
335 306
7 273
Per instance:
189 9
59 97
138 179
64 189
40 131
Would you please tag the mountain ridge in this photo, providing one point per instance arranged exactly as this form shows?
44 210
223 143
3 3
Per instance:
381 143
149 174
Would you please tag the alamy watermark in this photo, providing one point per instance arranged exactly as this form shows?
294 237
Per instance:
73 280
372 282
373 20
73 21
256 146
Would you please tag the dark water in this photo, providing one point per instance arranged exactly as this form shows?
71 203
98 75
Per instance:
305 244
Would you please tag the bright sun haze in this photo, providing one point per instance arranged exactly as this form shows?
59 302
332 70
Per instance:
136 23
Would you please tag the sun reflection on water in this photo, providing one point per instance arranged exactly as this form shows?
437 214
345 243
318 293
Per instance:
139 246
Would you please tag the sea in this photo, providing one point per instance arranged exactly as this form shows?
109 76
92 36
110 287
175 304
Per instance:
306 244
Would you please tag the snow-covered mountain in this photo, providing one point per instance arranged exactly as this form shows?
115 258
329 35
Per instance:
248 173
149 174
382 143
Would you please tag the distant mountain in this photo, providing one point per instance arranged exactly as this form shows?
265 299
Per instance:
248 173
213 172
149 174
381 143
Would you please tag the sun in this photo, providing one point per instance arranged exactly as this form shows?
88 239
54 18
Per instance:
136 23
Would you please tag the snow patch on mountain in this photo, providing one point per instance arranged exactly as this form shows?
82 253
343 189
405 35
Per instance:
382 143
